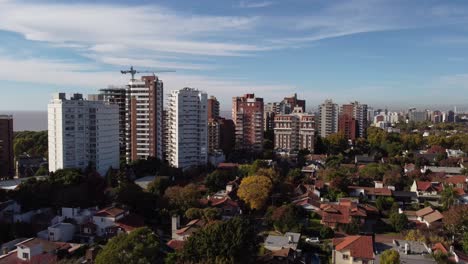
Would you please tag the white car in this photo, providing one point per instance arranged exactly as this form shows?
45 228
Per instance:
312 240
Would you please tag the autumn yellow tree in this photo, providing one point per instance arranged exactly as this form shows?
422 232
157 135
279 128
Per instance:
254 191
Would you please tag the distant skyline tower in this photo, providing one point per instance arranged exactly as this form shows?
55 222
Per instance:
213 107
327 118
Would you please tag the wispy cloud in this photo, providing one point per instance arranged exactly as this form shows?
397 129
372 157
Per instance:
249 4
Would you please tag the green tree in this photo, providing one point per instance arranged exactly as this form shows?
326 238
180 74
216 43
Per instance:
465 242
337 143
31 142
182 198
390 257
326 232
384 203
255 190
159 185
140 246
294 175
448 196
285 218
398 221
218 179
232 241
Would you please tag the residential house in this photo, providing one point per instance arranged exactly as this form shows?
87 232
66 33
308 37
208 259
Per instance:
143 182
36 250
353 249
429 216
427 190
112 221
446 170
62 232
411 251
229 208
279 242
371 193
182 233
363 159
455 153
344 212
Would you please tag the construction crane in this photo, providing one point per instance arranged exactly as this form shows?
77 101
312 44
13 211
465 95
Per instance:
133 72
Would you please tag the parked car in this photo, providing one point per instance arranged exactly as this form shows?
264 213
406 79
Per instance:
312 240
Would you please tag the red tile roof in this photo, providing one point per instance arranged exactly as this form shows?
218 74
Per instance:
110 212
439 247
130 222
460 179
176 244
343 212
428 186
361 247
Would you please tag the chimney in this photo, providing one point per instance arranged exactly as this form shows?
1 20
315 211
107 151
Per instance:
407 248
175 225
290 239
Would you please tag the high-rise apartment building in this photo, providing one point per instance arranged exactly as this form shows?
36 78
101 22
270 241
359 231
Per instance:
348 125
7 167
144 118
213 107
358 127
118 96
290 103
214 135
269 112
188 136
327 118
247 114
295 131
82 133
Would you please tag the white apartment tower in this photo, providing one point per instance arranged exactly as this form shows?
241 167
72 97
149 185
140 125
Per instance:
187 126
144 118
82 133
328 118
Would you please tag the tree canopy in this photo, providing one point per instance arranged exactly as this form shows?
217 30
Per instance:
31 142
232 241
254 191
390 257
140 246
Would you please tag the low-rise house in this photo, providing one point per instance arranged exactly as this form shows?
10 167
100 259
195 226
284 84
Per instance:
429 216
36 250
307 203
446 170
405 197
412 251
409 167
78 215
426 189
364 159
106 218
353 249
182 233
455 153
62 232
279 242
143 182
343 212
370 193
229 208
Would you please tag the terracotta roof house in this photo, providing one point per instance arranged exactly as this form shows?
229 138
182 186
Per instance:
36 250
370 193
229 207
429 216
353 249
343 212
182 233
426 189
176 245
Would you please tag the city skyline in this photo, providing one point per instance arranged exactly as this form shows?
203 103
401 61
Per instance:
345 50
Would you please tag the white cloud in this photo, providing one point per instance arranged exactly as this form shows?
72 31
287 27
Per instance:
249 4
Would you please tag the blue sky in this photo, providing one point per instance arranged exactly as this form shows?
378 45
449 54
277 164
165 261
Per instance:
384 53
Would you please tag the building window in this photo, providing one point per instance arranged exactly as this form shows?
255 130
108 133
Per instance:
25 255
345 256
